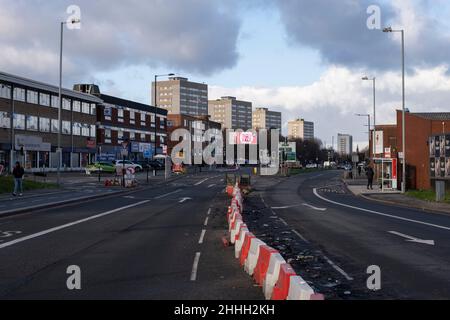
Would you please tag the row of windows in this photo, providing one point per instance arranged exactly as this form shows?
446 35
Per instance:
47 100
42 124
122 135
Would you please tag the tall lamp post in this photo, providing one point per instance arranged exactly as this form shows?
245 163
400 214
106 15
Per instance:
374 101
156 101
368 125
59 151
390 30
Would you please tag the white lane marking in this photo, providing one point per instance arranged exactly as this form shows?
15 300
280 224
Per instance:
263 201
67 225
206 221
338 269
379 213
195 267
167 194
129 197
283 221
200 182
222 180
413 239
209 212
184 199
286 207
211 185
202 236
299 235
314 208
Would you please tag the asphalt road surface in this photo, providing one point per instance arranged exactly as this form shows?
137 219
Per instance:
160 243
411 247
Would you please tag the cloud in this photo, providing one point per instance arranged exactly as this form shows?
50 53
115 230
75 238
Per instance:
337 29
333 100
188 35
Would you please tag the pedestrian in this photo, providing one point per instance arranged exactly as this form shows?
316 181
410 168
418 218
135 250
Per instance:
359 171
18 173
370 173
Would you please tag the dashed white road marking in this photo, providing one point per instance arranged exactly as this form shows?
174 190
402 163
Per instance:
283 221
209 212
67 225
211 185
167 194
206 221
338 269
195 266
202 236
299 235
379 213
200 182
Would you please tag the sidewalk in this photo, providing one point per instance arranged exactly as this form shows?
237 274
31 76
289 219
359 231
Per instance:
75 187
394 197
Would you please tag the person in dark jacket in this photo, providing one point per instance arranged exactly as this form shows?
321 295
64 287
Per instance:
18 173
370 173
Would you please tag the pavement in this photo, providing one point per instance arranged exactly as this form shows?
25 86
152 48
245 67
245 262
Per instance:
410 246
157 243
358 188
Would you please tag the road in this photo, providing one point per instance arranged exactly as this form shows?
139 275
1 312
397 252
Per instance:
159 243
411 247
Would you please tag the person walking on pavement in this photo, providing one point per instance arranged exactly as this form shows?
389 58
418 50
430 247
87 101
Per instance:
370 173
18 173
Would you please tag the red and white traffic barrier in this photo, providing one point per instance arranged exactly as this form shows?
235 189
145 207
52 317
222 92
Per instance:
277 278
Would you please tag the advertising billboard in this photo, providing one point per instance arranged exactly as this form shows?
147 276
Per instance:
439 149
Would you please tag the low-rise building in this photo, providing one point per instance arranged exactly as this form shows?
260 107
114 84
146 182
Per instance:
29 125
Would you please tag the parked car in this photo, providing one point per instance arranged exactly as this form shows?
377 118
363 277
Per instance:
107 167
129 164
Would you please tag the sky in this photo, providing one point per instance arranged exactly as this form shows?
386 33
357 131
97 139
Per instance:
304 58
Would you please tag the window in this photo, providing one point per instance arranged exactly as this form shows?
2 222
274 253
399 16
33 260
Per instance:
19 121
121 135
32 123
162 140
132 117
66 127
66 104
108 133
32 96
76 129
86 108
55 102
143 138
19 94
44 99
93 131
120 115
5 120
44 124
152 120
85 130
93 109
143 120
55 126
5 91
132 135
76 106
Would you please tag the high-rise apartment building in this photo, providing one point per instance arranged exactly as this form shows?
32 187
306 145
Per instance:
181 96
231 113
301 129
263 118
345 144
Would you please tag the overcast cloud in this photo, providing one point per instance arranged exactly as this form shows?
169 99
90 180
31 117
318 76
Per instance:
194 36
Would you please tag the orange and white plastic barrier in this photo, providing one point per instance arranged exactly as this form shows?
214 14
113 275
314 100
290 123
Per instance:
253 256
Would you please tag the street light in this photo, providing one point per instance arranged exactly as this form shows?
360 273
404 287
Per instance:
390 30
59 151
368 123
156 102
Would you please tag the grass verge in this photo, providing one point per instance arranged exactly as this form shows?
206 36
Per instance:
7 185
426 195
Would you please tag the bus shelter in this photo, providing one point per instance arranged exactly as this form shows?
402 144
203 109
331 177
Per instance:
388 173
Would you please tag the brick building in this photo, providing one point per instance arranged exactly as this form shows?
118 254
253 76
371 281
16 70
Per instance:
419 128
196 125
120 120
